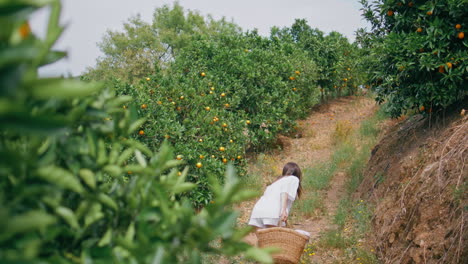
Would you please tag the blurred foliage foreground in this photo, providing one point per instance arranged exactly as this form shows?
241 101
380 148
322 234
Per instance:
74 189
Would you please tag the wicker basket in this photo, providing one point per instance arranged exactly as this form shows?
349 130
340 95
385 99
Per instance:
290 243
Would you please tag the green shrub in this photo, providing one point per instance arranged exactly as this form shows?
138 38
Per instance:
75 188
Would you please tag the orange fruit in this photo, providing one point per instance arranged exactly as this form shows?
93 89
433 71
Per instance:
297 72
399 4
223 94
141 132
200 140
159 103
461 35
178 108
225 125
167 136
182 97
457 26
144 106
292 78
419 30
441 69
294 89
247 122
390 12
199 165
25 30
449 65
410 4
231 141
147 78
225 160
124 107
211 92
202 74
179 157
429 13
129 172
226 105
212 88
202 157
222 149
239 157
345 79
207 108
421 108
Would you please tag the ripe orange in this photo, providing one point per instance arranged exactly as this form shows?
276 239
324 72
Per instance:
461 35
147 78
390 12
222 149
421 108
419 30
441 69
199 165
182 97
231 141
141 132
429 13
294 89
25 30
449 65
213 156
178 108
457 26
292 78
211 92
410 4
124 107
225 125
200 140
179 157
207 108
223 94
239 157
226 105
202 74
159 103
247 122
225 160
212 88
297 72
167 136
345 79
202 157
144 106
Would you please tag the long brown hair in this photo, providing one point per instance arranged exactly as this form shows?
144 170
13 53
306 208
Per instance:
293 169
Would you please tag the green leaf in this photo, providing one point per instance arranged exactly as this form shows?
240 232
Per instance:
94 214
106 200
60 177
259 254
183 187
62 88
140 158
68 216
106 239
88 177
135 125
130 234
29 221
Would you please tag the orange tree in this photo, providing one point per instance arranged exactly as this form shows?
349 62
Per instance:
74 187
421 52
224 95
338 62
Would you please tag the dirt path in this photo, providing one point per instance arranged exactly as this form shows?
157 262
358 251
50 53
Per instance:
312 146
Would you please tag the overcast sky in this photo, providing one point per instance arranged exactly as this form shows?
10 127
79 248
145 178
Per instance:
88 20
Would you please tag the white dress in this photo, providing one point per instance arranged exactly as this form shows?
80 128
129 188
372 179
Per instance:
267 210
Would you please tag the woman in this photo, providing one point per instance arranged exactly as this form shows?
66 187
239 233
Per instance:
278 198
